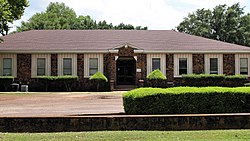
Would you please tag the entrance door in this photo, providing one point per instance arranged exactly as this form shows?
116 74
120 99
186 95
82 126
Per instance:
125 71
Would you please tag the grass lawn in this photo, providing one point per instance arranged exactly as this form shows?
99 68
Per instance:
205 135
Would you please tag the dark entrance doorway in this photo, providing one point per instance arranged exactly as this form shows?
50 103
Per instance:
125 71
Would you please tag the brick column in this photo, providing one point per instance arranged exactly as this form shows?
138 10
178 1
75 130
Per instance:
54 62
141 63
198 63
80 66
229 64
112 66
24 68
170 67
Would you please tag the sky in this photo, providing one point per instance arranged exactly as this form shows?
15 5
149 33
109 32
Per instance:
155 14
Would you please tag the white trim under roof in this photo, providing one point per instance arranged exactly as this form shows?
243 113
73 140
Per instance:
195 51
111 51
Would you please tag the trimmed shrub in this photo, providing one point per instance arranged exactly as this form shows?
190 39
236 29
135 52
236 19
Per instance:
99 78
5 81
66 80
201 80
156 75
156 79
187 100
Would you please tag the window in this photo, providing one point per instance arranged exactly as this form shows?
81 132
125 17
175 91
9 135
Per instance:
156 63
182 66
93 66
244 66
7 66
213 65
40 66
67 66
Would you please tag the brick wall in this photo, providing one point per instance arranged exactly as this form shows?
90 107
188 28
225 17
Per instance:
198 63
126 51
124 122
80 66
141 63
229 64
170 67
24 68
54 61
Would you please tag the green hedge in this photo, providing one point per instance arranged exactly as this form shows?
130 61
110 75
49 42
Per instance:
5 82
186 100
156 79
66 80
200 80
59 78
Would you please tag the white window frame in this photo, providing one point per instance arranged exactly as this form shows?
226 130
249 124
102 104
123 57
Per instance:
11 67
237 63
186 62
44 67
71 62
217 66
14 63
189 63
220 62
93 68
153 63
99 56
162 62
60 58
34 58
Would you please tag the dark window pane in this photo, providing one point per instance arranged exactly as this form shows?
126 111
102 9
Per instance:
213 65
67 71
156 63
67 62
7 66
244 66
182 66
93 65
40 66
67 66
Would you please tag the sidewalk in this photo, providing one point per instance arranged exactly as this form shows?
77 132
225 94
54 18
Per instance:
60 104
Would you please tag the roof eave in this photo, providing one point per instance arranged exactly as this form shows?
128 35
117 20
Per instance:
195 51
54 51
116 51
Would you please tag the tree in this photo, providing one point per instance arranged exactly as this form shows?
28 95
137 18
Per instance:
60 16
10 10
227 24
56 16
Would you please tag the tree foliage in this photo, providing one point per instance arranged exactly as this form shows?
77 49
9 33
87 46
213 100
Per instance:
60 16
10 10
224 23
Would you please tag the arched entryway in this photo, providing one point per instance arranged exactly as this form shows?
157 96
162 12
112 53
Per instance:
125 71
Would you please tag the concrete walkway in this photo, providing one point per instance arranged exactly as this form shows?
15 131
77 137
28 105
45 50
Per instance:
60 104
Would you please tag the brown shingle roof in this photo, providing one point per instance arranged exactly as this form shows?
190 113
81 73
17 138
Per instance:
102 40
